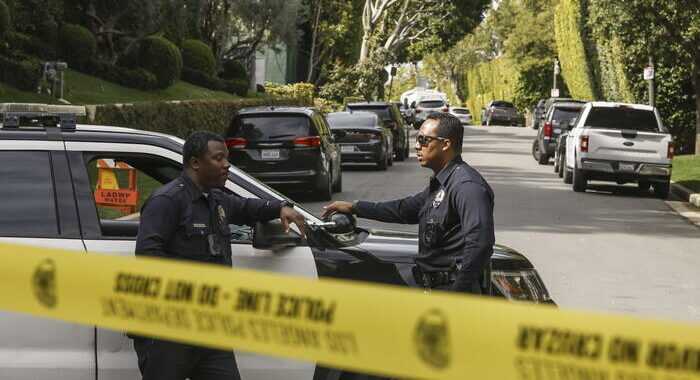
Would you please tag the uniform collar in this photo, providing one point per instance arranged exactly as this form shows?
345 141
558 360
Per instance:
195 193
445 173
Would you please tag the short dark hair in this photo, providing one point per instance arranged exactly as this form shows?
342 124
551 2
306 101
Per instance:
196 144
448 127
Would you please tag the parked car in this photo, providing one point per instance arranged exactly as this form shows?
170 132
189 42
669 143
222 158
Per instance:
290 147
462 114
619 142
404 111
499 112
365 138
391 116
555 123
423 107
560 150
538 113
55 167
552 101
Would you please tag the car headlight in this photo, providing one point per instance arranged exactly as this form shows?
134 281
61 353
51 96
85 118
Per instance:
522 285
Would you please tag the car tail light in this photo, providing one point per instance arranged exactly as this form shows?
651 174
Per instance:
491 111
584 143
418 110
236 143
623 106
307 141
445 110
548 129
671 148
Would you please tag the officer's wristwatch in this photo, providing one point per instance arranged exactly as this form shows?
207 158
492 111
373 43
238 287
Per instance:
286 203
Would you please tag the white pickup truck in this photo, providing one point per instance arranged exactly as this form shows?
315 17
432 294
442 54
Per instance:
621 143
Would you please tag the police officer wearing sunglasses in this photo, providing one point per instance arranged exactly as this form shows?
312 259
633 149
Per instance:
454 213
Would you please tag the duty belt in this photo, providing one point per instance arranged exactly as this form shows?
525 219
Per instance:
433 278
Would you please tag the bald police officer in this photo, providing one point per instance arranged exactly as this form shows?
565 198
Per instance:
188 219
454 213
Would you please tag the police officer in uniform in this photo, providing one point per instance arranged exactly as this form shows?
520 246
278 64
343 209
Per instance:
188 219
454 213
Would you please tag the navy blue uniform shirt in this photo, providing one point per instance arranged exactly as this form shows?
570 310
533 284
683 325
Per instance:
455 221
178 221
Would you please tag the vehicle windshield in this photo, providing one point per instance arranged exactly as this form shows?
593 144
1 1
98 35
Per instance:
459 111
503 104
622 118
562 115
383 112
431 104
271 127
350 120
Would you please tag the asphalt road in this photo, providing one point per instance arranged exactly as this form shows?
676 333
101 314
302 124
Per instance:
612 249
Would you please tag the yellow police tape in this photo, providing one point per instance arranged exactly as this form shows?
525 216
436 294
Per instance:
357 326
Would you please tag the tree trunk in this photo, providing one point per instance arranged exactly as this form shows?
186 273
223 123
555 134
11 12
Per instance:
454 84
310 76
696 85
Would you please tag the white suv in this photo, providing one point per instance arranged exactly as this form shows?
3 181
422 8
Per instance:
619 142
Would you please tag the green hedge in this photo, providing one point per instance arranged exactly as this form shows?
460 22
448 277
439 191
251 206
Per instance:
4 19
202 79
138 78
572 55
158 56
78 43
23 74
494 80
180 118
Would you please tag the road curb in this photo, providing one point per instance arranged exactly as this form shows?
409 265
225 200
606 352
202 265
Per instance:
686 194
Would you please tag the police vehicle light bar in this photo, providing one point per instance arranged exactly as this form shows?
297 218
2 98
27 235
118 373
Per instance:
42 108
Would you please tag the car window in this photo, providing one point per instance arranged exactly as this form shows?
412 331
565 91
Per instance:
562 115
348 121
271 127
622 118
122 183
502 104
27 194
382 111
431 104
460 111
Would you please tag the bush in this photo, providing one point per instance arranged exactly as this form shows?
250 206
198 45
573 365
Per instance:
138 78
4 19
184 117
196 55
201 79
297 90
236 86
78 43
23 74
232 69
158 56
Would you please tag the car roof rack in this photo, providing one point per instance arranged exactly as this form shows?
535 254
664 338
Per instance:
16 115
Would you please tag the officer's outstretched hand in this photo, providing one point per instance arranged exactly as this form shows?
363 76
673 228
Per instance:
289 215
339 206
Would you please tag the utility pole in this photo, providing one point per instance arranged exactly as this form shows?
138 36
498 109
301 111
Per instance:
555 89
391 80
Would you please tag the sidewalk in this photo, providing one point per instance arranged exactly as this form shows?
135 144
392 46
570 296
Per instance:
689 206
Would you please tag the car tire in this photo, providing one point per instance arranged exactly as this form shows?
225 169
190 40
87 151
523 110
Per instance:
488 122
661 189
390 158
407 149
568 175
536 150
325 192
580 180
643 185
560 169
399 155
383 162
556 163
338 185
543 159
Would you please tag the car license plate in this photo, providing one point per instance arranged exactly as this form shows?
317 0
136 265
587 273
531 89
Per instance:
347 148
626 167
270 153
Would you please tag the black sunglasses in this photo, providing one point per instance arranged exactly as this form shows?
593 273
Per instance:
424 141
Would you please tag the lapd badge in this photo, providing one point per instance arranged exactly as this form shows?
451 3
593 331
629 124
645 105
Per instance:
438 198
431 338
44 283
222 214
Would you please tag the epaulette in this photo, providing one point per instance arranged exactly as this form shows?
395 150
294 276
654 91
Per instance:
171 188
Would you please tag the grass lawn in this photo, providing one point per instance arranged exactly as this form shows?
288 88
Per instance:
686 171
85 89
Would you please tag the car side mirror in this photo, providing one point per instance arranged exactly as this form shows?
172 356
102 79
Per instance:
337 223
270 235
